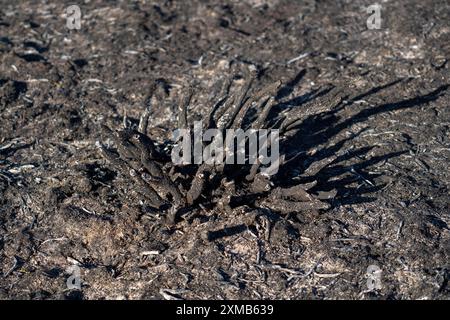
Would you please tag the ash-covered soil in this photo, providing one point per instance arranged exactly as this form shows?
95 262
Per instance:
63 204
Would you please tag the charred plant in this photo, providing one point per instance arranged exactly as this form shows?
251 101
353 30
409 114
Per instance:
176 188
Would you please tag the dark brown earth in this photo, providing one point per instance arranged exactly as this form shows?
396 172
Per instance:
62 203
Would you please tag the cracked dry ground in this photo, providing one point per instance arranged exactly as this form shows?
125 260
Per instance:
62 203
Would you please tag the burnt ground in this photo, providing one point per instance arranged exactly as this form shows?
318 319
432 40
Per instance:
62 203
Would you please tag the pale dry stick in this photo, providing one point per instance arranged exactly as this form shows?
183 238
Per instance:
143 121
54 239
125 119
170 294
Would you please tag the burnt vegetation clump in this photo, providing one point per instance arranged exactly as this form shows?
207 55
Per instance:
177 189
